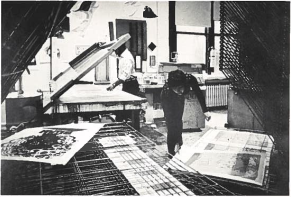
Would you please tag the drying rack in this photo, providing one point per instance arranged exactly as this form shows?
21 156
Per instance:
118 160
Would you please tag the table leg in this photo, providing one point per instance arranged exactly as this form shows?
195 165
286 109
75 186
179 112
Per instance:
135 119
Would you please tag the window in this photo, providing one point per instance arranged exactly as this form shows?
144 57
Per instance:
191 44
191 48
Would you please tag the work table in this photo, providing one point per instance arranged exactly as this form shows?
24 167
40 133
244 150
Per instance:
95 98
151 86
91 95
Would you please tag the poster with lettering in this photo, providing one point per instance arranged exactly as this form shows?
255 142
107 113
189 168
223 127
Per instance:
54 145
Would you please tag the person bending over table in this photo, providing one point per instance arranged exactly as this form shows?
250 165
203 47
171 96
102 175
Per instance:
125 72
126 77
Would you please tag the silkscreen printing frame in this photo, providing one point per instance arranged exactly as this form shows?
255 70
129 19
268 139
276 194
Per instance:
82 65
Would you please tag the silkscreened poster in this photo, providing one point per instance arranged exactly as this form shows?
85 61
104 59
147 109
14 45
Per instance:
244 166
237 155
54 145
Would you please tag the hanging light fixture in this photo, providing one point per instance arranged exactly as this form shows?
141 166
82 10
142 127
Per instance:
148 13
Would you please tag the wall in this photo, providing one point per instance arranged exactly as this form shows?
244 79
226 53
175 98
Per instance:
89 27
97 29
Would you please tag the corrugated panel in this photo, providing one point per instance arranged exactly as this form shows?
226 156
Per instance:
254 54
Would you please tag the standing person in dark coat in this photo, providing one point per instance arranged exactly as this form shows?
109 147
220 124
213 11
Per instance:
173 100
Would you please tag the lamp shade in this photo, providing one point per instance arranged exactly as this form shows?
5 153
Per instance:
148 13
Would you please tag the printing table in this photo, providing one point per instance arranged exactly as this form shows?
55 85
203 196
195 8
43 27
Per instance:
87 99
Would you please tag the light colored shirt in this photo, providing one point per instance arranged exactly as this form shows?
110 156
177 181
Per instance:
126 65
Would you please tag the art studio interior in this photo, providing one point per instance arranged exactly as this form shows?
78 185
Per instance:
145 98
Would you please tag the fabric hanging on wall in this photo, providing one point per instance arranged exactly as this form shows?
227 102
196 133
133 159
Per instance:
193 13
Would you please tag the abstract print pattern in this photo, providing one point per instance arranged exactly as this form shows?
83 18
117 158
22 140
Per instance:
55 145
52 142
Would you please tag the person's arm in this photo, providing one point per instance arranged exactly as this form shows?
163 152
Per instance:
198 92
164 100
195 87
125 66
162 96
116 83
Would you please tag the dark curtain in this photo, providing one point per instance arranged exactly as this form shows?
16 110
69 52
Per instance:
138 32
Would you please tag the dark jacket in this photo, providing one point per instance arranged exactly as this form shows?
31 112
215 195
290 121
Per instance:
173 104
173 107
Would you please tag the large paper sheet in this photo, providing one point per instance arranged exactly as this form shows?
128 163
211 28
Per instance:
234 141
54 145
237 155
244 166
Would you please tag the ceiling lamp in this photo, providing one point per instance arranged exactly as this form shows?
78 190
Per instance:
148 13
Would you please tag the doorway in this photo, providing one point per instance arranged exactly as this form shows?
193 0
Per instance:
137 44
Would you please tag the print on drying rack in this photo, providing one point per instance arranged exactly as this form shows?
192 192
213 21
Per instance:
52 142
54 145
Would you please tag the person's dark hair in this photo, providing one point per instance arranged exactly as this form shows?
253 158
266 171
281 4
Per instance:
120 49
176 78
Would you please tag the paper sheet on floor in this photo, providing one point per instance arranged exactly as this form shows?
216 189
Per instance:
244 166
237 155
54 145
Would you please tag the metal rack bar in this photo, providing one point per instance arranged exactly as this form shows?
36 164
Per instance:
131 165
